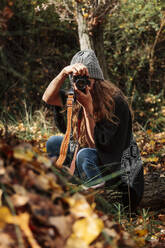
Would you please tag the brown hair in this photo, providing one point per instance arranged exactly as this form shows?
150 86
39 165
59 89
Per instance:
103 94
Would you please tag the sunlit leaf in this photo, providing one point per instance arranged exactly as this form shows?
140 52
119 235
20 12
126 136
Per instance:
6 241
142 232
24 152
63 224
21 220
19 200
151 159
87 229
149 131
140 241
75 242
2 168
5 216
1 192
44 160
79 206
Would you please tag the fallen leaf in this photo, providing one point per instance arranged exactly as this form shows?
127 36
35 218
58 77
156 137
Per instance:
6 241
5 216
76 243
24 152
1 192
151 159
2 168
87 229
142 232
21 220
161 217
19 200
63 224
79 206
44 160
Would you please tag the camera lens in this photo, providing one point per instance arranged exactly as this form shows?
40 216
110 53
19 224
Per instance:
81 84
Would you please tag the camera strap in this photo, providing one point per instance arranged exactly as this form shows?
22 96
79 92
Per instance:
66 139
73 163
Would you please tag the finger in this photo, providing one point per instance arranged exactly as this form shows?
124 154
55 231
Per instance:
82 69
87 90
75 71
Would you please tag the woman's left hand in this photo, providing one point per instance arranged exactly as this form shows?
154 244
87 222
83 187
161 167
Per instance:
84 99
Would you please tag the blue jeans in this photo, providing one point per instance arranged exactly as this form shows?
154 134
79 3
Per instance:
86 161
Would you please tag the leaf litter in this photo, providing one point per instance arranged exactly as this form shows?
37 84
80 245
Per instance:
40 207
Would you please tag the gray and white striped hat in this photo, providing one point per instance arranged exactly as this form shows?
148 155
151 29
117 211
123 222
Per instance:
89 59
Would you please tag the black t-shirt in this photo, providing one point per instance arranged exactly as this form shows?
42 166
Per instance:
111 139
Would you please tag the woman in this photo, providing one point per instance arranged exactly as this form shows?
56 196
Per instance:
106 143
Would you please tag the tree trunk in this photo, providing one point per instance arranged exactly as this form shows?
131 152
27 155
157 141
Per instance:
84 38
98 44
92 38
154 191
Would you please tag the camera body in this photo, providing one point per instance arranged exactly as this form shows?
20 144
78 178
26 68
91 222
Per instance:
81 82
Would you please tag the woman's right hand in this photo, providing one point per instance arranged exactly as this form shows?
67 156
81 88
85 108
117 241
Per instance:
75 69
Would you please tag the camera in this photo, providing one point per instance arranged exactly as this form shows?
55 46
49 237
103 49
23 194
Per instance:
81 82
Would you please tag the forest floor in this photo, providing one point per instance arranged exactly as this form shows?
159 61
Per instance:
40 206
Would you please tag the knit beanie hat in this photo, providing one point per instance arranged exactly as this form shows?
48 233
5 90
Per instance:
89 59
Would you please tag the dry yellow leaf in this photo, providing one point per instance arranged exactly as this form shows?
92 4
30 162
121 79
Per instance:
21 220
87 229
5 216
1 192
142 232
161 141
44 149
44 160
151 159
24 152
85 15
140 241
19 200
76 243
79 207
149 131
152 143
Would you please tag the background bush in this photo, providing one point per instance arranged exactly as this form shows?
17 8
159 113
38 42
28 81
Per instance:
135 46
35 45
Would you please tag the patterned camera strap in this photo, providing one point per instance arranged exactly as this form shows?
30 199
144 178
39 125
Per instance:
66 139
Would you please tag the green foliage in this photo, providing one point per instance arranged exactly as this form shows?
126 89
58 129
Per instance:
129 39
135 46
34 46
149 111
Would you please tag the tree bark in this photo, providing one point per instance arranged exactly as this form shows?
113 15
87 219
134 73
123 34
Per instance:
84 38
98 44
91 37
154 191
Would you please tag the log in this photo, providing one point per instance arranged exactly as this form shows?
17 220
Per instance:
154 190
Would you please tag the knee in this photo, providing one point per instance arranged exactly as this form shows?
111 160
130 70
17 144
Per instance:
81 155
53 145
86 156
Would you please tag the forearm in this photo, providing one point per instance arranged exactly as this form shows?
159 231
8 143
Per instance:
90 125
51 94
